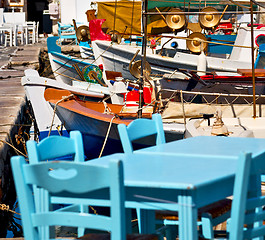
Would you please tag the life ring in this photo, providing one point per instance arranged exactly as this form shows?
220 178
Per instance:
260 39
92 74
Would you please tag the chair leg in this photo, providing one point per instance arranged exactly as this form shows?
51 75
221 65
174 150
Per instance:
14 41
81 231
5 39
11 38
207 226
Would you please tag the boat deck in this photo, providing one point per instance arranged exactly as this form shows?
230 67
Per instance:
248 72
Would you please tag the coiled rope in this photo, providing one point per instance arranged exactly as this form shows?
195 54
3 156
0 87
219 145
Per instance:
5 207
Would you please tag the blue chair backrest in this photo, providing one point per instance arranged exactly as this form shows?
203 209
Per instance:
247 214
141 128
77 182
55 147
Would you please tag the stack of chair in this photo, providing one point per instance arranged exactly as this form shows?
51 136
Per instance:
33 31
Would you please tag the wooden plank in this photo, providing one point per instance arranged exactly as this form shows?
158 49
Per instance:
248 72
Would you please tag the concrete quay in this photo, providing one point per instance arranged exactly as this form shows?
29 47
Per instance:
14 119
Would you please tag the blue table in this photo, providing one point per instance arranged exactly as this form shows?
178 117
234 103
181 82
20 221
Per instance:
210 146
183 175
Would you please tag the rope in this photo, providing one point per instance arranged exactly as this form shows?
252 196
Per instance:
13 148
45 69
94 210
55 71
183 109
11 144
5 207
54 111
106 138
217 96
214 94
72 78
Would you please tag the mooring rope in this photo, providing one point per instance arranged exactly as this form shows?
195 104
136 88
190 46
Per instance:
54 110
106 138
3 141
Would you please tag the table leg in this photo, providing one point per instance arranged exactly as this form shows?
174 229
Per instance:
187 218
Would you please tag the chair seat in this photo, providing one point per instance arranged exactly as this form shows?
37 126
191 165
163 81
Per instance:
216 209
106 236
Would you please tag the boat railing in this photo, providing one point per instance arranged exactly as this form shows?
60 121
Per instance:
179 105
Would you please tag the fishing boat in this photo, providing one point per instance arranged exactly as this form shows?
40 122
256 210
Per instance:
97 121
217 114
74 71
84 74
46 122
118 57
230 127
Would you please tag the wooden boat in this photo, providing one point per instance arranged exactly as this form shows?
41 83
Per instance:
82 73
218 114
117 57
45 121
73 70
98 122
230 127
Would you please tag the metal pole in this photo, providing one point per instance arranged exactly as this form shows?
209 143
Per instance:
143 56
253 60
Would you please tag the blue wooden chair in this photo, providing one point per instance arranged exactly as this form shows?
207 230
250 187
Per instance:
78 180
56 148
75 182
141 128
66 32
209 216
247 214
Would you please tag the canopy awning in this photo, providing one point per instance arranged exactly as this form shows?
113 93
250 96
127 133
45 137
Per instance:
122 16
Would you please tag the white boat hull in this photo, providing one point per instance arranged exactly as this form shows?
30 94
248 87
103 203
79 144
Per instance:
116 57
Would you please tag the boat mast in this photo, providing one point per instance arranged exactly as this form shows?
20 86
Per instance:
143 55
